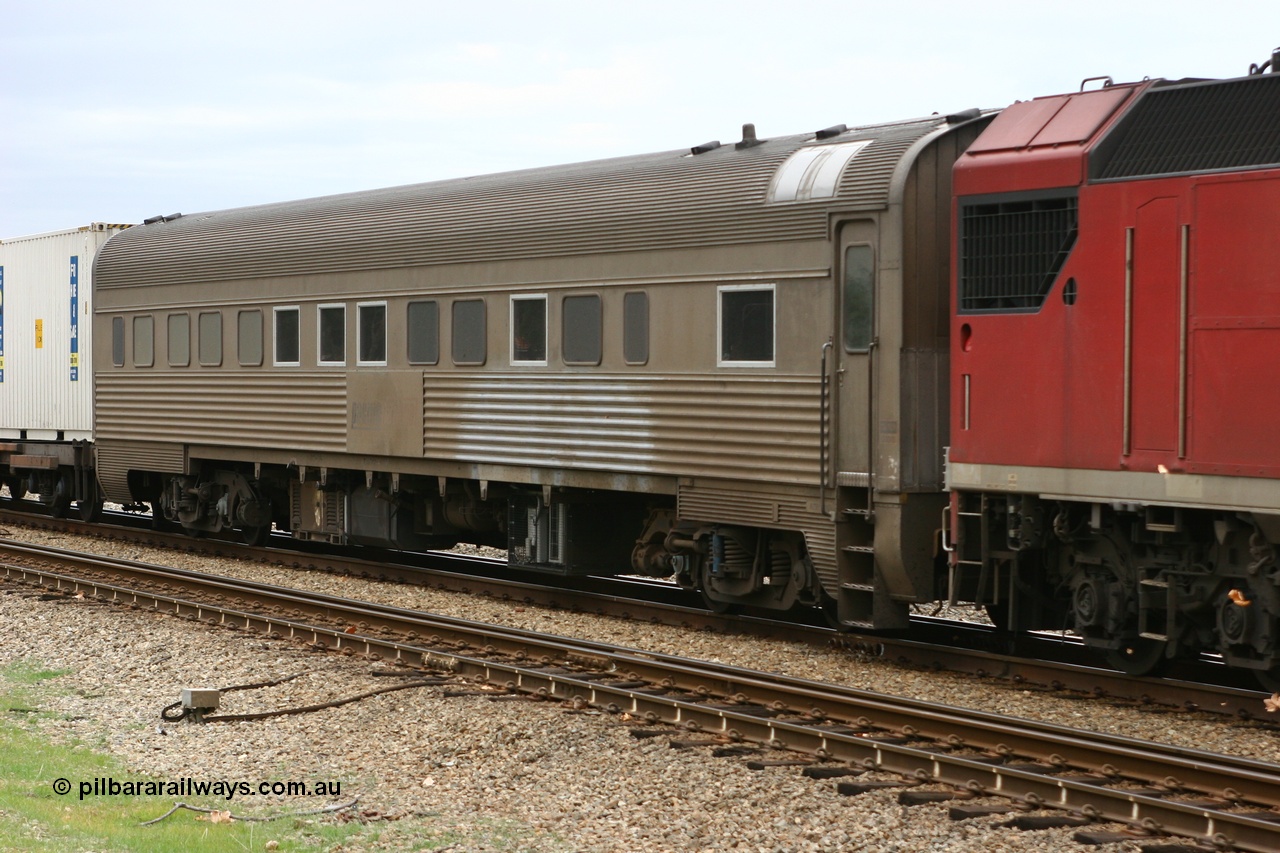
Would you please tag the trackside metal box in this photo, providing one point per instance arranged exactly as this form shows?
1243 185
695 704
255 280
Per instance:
46 387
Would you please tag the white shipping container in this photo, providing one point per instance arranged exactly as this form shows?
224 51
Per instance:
46 385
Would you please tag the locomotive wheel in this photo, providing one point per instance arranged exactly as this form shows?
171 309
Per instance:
1139 656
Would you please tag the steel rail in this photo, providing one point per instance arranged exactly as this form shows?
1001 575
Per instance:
676 691
1058 666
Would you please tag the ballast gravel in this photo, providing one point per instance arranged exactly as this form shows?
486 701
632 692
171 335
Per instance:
480 773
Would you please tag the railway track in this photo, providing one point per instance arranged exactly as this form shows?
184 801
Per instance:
1049 664
1214 799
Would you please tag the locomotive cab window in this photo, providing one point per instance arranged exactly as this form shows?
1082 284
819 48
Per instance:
469 341
859 298
249 338
580 322
746 326
371 333
423 338
333 335
179 340
287 350
210 344
635 327
529 330
144 341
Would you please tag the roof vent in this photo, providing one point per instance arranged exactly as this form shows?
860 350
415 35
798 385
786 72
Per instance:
748 137
828 132
153 220
705 147
964 115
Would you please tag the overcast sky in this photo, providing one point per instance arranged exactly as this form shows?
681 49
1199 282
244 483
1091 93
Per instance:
119 111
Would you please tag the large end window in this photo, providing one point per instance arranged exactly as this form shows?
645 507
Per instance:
469 341
635 328
580 320
529 330
287 349
423 336
371 333
859 298
333 335
210 325
746 326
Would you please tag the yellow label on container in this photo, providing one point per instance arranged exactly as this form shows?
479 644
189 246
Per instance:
75 359
39 334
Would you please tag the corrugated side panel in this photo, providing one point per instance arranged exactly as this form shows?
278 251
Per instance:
667 200
925 428
745 428
303 411
115 459
780 512
38 393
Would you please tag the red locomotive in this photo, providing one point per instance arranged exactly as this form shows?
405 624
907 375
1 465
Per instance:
1114 463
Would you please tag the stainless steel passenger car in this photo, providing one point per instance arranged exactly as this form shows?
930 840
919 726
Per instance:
726 363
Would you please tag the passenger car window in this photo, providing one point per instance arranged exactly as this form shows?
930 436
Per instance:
469 332
287 349
371 333
210 344
117 341
144 341
249 338
529 329
580 321
746 326
333 334
424 332
635 327
179 340
859 298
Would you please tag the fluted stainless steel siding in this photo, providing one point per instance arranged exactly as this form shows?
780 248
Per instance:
767 509
734 427
306 411
666 200
116 459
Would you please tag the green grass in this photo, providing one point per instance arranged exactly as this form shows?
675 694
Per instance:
34 818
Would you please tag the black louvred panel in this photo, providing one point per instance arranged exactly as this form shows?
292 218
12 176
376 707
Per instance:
1201 127
1012 249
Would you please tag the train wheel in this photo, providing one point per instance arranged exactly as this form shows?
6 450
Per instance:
1139 656
59 500
256 536
1269 679
90 510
